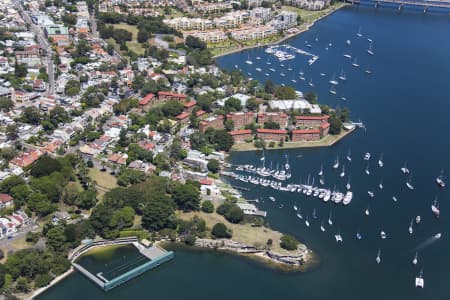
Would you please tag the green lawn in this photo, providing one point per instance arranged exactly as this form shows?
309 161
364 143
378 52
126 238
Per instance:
103 179
133 45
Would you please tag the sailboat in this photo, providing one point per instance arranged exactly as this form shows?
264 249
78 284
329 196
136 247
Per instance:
310 83
258 57
289 68
368 70
394 199
348 42
410 228
378 259
295 207
336 163
322 181
282 74
358 235
342 77
435 208
333 80
383 235
440 180
405 169
359 34
380 160
349 156
367 211
248 61
420 283
321 171
380 185
409 184
272 199
355 63
307 222
314 215
370 50
343 171
332 90
330 220
348 186
299 213
415 260
268 62
322 228
367 170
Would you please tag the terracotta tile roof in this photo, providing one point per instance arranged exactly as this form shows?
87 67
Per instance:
5 198
305 131
238 132
273 131
324 117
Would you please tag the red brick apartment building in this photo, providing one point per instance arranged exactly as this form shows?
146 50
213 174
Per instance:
271 134
275 117
311 121
215 122
241 135
240 119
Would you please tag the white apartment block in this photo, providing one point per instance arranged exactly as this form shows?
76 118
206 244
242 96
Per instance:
262 13
309 4
214 36
184 23
252 33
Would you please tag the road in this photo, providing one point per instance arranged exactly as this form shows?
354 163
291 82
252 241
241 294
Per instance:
43 42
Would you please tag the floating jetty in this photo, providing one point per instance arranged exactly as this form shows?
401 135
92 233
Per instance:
155 255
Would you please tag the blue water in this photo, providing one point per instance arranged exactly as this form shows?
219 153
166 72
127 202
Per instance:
404 104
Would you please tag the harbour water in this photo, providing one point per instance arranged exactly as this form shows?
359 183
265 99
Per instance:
404 104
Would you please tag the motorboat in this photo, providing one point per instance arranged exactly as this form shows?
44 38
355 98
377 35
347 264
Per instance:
383 235
378 259
367 156
418 219
272 199
435 208
380 161
405 169
440 180
420 283
338 238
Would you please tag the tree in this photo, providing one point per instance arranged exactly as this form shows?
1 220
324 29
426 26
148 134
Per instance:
223 140
335 124
22 284
12 131
186 196
157 215
123 139
86 199
20 70
172 108
72 88
229 124
56 239
269 86
6 104
252 104
122 218
45 166
220 231
288 242
311 97
213 165
271 125
142 36
31 115
207 207
59 115
234 214
233 104
285 92
40 204
176 151
194 43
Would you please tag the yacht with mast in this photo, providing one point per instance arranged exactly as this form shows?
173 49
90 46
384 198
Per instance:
330 220
368 70
380 160
322 227
333 90
343 171
415 260
333 80
248 61
349 156
355 63
359 34
342 76
310 83
380 185
378 259
367 171
307 222
435 208
410 228
409 183
321 170
370 50
440 180
336 163
367 211
405 169
348 185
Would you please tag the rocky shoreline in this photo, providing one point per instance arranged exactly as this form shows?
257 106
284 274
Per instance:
298 259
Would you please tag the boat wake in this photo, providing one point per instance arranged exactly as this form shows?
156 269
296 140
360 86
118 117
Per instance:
428 242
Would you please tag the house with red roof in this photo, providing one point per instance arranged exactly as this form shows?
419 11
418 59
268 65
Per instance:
166 96
189 106
146 103
183 118
6 201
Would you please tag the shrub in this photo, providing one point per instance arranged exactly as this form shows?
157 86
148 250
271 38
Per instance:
288 242
221 231
207 207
